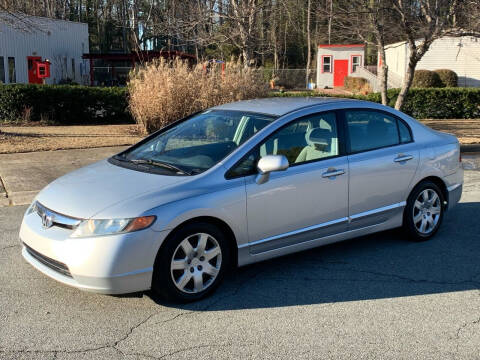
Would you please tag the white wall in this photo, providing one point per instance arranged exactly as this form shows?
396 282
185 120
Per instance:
461 55
396 58
55 40
337 53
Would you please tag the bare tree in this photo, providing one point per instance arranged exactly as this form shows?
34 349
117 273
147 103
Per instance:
424 21
371 22
243 16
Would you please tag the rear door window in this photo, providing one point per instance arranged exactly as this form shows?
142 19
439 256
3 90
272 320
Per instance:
369 130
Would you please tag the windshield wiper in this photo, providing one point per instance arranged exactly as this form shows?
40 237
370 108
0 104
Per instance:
160 164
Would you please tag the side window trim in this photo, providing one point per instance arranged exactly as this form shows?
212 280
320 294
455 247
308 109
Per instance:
342 148
347 134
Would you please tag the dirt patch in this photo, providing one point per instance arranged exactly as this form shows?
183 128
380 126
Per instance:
334 91
466 130
14 139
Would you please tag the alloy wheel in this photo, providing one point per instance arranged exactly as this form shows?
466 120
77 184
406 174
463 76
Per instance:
426 211
196 263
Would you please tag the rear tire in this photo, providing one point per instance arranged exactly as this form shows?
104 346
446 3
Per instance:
423 213
191 263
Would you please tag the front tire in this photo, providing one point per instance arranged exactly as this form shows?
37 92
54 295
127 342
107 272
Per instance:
192 263
424 211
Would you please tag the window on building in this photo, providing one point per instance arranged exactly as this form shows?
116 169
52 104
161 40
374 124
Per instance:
12 76
356 62
73 69
2 71
327 64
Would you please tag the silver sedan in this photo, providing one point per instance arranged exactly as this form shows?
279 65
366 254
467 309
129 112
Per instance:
237 184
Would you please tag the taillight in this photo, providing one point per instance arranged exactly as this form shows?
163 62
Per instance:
459 156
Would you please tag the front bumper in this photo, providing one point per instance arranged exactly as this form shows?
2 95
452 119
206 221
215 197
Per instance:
114 264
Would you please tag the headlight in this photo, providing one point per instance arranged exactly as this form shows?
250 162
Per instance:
96 227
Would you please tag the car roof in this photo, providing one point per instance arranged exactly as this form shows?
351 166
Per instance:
279 105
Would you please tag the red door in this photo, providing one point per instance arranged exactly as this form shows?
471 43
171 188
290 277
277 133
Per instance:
340 70
32 70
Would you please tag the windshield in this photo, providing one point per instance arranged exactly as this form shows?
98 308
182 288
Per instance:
197 144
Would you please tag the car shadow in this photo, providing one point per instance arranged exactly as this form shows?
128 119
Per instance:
378 266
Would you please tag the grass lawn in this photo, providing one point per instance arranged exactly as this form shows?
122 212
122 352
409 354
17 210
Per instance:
14 139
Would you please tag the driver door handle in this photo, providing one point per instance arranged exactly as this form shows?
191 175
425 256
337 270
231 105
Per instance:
333 172
402 158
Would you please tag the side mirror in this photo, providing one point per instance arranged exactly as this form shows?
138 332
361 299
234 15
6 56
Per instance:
270 163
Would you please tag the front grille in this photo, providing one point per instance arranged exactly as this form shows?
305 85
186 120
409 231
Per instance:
52 264
53 218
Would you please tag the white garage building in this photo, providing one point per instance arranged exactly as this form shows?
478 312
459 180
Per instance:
460 54
37 39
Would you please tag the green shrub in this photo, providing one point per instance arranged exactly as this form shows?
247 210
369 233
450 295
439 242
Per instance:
356 84
64 104
426 79
448 77
437 103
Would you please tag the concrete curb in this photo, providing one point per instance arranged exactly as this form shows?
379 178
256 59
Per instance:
4 200
22 197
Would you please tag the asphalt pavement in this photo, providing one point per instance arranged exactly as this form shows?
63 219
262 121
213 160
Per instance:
375 297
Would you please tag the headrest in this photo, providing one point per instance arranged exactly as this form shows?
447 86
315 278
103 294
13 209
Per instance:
318 136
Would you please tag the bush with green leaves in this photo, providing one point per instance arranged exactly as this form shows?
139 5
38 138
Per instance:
449 78
68 105
435 103
64 104
426 79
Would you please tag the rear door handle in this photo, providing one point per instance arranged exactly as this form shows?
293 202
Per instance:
402 158
333 172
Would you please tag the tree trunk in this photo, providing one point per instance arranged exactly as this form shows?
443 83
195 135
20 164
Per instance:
383 73
330 17
246 57
309 45
274 41
407 82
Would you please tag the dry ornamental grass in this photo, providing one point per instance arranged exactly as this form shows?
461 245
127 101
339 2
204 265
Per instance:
162 91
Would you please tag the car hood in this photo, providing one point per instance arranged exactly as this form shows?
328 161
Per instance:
91 189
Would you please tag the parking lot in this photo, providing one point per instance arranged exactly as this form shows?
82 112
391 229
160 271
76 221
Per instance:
379 296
